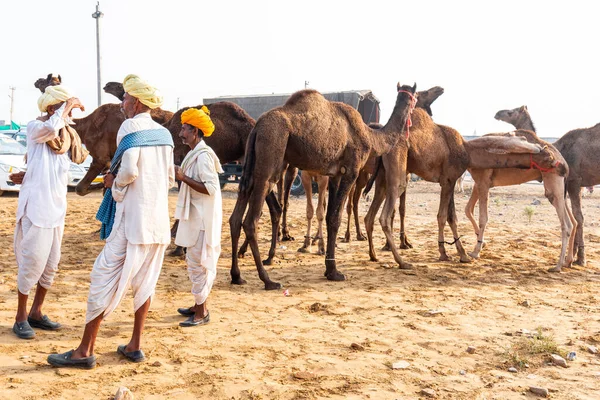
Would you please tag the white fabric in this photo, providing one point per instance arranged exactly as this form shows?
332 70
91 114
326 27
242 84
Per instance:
44 189
122 264
205 211
141 188
37 251
202 268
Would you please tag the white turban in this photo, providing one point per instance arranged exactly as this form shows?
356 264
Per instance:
53 95
148 95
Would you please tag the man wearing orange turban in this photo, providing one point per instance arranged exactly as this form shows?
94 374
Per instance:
199 210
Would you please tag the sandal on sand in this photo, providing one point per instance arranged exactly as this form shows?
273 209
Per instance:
133 356
190 321
186 312
65 360
23 330
44 323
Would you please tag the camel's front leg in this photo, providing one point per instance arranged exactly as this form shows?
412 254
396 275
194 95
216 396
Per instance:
310 211
323 181
574 189
85 185
275 213
290 176
554 191
349 206
338 191
453 222
378 197
483 193
470 207
404 242
360 184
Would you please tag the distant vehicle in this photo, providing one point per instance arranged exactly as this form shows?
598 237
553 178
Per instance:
12 160
19 135
77 172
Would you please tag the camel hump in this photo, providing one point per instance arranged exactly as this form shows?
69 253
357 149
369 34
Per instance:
304 97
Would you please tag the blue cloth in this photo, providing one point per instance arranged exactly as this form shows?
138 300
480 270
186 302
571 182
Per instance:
145 138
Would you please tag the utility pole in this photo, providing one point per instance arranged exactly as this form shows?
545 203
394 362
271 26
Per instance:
178 104
97 15
12 101
306 83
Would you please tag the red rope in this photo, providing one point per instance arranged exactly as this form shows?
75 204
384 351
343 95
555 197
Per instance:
535 165
413 103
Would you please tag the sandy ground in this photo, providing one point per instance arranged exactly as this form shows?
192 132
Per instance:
333 340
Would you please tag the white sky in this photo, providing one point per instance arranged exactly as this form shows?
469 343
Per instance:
487 55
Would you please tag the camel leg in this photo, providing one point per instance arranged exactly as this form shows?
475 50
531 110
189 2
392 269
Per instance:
404 242
574 189
290 175
338 191
310 211
378 198
447 213
256 201
453 222
178 251
554 191
360 184
483 194
275 212
349 205
235 226
323 182
470 207
84 186
243 248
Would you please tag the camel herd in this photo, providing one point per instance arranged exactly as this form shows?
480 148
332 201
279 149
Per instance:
330 143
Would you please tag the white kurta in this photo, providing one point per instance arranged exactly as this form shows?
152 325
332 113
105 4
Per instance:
200 232
134 251
42 206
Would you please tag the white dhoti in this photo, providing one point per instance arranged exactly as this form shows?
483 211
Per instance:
119 265
37 251
201 261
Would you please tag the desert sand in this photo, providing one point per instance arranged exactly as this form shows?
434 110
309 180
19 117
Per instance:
335 340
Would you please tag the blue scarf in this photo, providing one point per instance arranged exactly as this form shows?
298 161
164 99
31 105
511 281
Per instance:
148 137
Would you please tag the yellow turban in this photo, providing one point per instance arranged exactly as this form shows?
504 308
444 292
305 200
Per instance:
141 90
53 95
200 119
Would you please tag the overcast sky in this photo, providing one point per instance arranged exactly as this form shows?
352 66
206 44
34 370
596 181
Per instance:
487 55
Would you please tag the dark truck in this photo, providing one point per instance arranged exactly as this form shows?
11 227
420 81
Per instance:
362 100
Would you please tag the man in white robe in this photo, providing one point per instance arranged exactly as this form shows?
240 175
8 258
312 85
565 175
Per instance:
41 210
199 210
137 240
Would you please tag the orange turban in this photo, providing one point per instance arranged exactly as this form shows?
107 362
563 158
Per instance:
199 119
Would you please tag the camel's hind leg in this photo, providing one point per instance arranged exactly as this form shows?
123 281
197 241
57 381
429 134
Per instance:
322 181
378 198
256 200
360 184
235 226
310 211
349 206
483 193
470 207
275 213
404 242
447 213
554 191
290 175
574 189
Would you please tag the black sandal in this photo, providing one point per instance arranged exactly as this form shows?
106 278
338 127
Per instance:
133 356
65 360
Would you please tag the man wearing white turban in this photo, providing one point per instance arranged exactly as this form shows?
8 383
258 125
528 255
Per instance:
135 224
41 210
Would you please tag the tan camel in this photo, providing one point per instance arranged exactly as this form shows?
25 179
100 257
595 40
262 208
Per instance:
554 185
424 100
318 136
439 154
581 150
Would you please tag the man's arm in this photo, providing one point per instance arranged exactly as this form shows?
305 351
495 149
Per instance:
41 132
128 172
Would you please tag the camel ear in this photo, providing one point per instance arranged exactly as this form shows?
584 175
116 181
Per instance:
414 88
398 87
59 79
523 108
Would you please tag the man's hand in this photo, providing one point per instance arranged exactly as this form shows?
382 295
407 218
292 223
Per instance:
108 180
17 177
73 103
179 173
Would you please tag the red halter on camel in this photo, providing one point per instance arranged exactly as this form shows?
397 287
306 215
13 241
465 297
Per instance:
413 103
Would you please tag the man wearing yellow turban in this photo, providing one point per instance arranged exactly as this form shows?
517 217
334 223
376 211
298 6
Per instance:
199 211
41 209
135 223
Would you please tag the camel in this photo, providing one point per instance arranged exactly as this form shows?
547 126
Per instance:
116 89
581 150
317 136
424 100
439 154
50 80
322 182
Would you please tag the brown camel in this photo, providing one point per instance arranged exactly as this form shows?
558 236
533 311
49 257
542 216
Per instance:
439 154
424 100
50 80
116 89
318 136
581 149
322 182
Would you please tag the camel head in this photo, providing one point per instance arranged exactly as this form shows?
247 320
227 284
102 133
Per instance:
116 89
426 97
50 80
512 116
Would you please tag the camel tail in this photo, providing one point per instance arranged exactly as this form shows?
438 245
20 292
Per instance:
373 177
249 161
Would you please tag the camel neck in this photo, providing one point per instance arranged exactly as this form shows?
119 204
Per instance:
525 122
